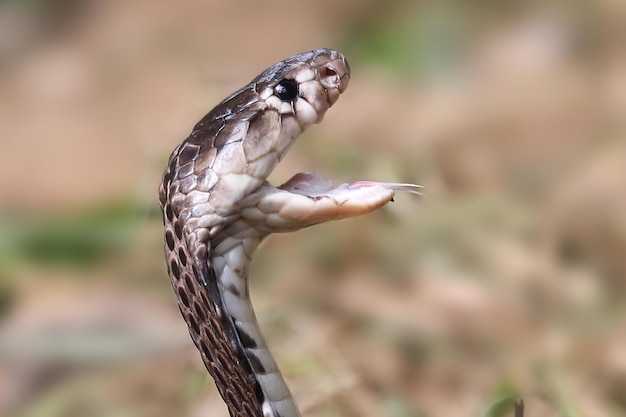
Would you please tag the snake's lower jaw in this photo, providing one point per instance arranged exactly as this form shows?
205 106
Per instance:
308 199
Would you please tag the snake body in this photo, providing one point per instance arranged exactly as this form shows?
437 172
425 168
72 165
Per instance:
218 207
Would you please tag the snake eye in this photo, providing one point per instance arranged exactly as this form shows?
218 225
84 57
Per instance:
286 90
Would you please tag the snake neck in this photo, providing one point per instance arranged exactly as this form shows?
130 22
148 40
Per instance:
199 299
210 278
230 260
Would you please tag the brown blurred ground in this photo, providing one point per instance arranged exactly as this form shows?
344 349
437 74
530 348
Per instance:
507 279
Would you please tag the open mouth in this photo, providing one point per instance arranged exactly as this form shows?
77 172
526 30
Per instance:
311 184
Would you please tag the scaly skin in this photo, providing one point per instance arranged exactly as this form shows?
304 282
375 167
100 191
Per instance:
218 207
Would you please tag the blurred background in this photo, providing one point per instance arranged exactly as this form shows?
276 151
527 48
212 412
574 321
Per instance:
507 279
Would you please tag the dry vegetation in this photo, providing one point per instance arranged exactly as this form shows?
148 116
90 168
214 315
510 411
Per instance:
507 279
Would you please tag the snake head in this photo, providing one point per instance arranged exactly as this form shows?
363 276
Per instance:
233 149
244 137
305 85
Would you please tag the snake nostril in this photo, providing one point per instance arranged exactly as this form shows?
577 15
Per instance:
328 72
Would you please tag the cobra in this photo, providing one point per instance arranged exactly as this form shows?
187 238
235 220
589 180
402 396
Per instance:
218 206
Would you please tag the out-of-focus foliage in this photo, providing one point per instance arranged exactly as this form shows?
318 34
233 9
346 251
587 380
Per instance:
67 238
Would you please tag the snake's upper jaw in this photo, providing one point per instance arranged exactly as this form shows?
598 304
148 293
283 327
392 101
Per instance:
307 183
313 185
